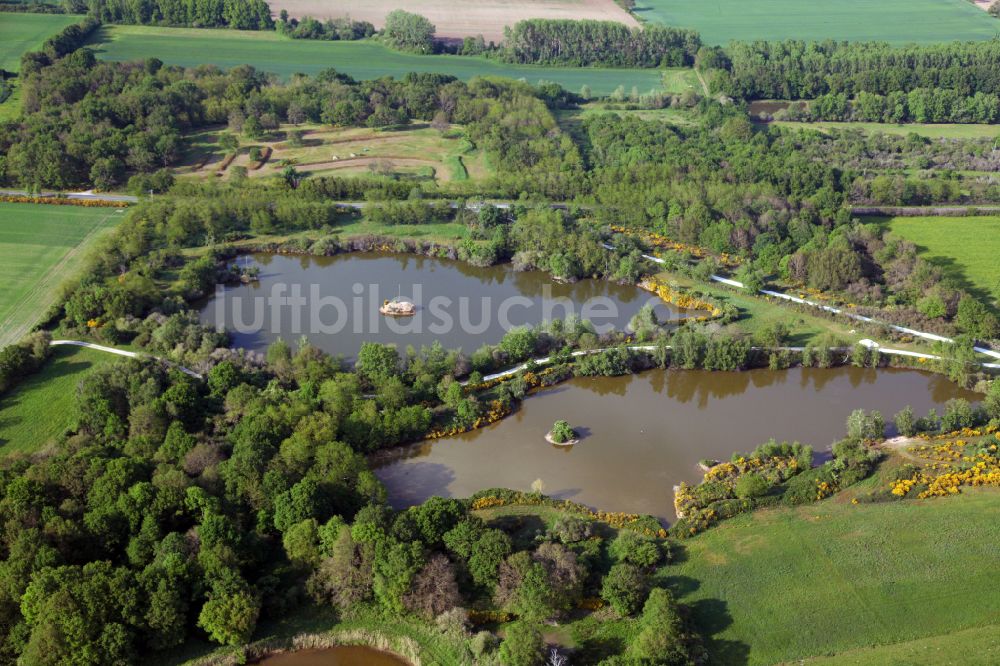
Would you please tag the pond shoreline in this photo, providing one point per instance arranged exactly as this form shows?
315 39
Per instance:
647 431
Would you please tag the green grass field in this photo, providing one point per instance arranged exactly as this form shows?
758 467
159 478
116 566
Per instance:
36 412
933 651
965 247
275 53
941 131
20 33
896 21
40 247
822 580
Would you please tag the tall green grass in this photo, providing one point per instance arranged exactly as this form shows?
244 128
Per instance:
275 53
42 407
895 21
929 130
782 585
41 246
457 167
21 32
967 248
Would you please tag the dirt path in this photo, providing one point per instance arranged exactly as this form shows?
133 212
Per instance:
701 79
123 352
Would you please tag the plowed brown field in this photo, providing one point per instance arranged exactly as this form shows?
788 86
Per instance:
455 20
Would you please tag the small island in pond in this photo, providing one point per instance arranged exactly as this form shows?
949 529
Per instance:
398 308
562 435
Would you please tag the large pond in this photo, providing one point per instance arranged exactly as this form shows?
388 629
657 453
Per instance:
643 434
337 656
334 301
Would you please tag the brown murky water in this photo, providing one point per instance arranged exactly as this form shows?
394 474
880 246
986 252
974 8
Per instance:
461 305
338 656
643 434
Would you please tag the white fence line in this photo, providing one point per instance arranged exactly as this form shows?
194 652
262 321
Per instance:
829 308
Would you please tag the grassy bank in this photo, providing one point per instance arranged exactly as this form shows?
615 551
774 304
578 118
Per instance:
760 313
931 131
42 246
830 578
275 53
894 21
934 651
322 623
43 406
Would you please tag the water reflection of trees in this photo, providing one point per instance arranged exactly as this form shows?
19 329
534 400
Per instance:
416 482
818 378
605 386
687 385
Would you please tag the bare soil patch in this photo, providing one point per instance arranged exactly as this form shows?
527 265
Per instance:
466 19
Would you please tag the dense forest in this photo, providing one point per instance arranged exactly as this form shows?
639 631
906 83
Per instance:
796 69
238 14
920 105
182 508
74 131
330 29
605 43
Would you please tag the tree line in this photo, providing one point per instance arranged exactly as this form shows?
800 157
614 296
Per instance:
237 14
794 69
343 29
920 105
571 43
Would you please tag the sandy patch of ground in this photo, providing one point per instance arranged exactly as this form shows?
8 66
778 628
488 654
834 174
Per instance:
455 20
983 4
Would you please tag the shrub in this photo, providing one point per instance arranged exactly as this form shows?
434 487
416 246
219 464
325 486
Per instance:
870 426
408 32
624 588
522 646
562 432
482 644
801 489
608 363
571 529
905 422
633 548
751 485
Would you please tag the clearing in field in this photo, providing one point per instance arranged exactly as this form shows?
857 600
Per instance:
271 52
965 247
470 18
894 21
40 247
786 584
40 409
929 130
416 151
